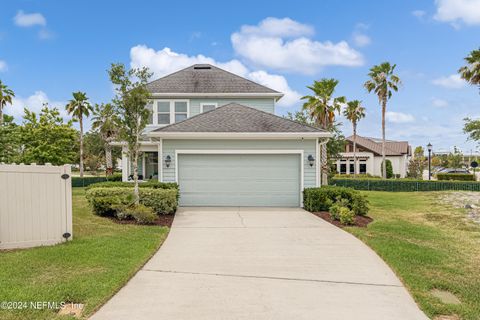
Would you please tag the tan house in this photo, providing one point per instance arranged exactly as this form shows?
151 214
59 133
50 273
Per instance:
369 156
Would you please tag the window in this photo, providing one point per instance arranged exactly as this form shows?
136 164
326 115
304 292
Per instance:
343 167
363 167
163 112
204 107
352 166
181 110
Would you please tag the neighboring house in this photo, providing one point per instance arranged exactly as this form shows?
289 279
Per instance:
369 156
217 135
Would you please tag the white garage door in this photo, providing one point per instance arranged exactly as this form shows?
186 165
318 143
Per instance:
239 180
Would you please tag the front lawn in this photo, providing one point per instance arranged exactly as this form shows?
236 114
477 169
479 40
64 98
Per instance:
89 269
430 245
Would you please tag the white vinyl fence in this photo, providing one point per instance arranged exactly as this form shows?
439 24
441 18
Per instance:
35 205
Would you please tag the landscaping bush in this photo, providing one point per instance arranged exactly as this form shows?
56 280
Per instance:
86 181
389 168
107 201
456 176
359 176
141 213
346 216
321 199
335 211
120 184
405 185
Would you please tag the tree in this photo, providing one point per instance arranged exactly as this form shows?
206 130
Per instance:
335 144
321 107
105 122
6 96
455 159
79 107
471 72
47 139
9 140
354 112
472 128
383 81
417 164
388 168
130 103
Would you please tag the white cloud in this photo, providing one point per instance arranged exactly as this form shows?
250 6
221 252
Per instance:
456 11
419 13
166 61
359 36
34 103
439 103
3 66
283 44
399 117
23 19
451 82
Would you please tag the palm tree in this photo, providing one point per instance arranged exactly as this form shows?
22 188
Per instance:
354 112
383 81
321 107
79 107
105 122
471 72
6 96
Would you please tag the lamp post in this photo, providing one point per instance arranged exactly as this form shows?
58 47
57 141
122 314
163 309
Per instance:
429 148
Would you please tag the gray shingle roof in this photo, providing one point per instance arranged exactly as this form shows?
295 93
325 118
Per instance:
235 117
205 78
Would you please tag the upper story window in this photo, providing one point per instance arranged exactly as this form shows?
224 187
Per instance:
204 107
166 112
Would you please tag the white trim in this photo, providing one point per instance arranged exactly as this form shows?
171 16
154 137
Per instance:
277 95
208 103
160 160
317 162
240 151
238 135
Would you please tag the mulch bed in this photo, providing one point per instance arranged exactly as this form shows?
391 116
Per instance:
360 221
164 220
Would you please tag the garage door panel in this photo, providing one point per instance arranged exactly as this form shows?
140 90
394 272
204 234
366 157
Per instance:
239 180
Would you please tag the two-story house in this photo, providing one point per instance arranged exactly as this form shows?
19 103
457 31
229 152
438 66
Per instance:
216 134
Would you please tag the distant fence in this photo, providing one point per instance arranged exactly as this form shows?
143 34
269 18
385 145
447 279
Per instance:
35 205
406 185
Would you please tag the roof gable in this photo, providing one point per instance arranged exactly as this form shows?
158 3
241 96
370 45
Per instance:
238 118
205 78
392 148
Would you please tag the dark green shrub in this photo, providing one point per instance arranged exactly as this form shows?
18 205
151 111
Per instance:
346 216
86 181
359 176
149 184
321 199
456 176
406 185
389 169
106 201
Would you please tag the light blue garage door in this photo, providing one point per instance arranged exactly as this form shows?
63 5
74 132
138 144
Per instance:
239 180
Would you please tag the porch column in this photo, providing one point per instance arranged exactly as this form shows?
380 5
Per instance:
160 160
125 164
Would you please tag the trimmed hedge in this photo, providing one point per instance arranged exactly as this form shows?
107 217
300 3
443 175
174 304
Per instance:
86 181
321 199
406 185
106 201
149 184
456 176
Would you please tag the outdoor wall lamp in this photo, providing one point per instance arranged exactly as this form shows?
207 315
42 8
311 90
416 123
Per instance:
311 160
168 161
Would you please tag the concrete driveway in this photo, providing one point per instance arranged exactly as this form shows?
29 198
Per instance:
259 263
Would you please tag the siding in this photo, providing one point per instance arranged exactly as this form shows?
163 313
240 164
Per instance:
263 104
307 145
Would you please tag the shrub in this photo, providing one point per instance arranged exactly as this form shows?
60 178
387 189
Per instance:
106 201
335 211
321 199
142 214
86 181
346 216
406 185
389 168
120 184
456 176
359 176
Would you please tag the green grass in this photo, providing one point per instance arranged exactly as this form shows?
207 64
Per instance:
429 245
90 269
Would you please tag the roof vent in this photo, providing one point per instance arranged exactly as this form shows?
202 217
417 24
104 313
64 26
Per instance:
202 67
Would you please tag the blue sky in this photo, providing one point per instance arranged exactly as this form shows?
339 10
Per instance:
50 48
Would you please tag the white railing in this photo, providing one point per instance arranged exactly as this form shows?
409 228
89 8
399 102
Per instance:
35 205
